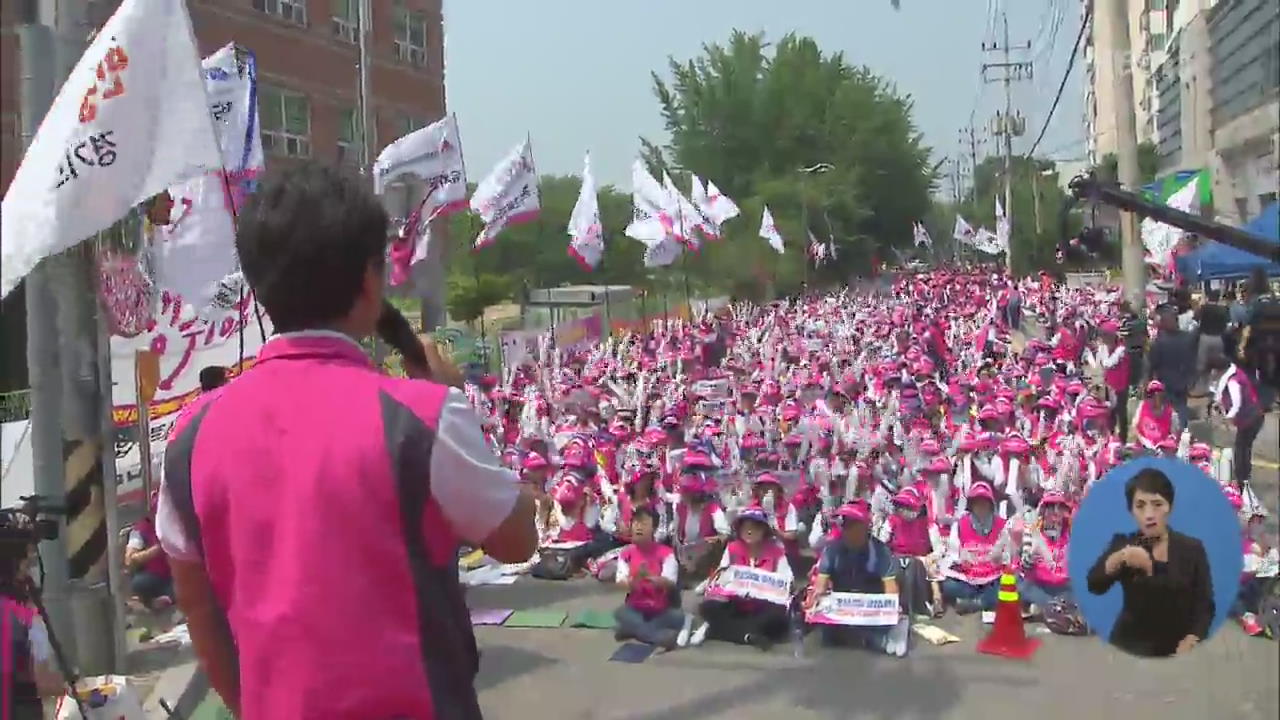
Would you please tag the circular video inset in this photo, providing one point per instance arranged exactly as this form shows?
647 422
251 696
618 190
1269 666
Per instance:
1156 557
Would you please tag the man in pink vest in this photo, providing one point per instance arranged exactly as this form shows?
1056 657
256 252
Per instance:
313 509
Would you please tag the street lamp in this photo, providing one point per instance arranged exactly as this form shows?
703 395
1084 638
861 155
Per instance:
805 172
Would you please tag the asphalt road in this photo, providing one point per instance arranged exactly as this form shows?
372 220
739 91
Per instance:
565 674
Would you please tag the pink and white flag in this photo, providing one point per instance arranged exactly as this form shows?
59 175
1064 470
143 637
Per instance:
722 207
769 231
508 196
586 235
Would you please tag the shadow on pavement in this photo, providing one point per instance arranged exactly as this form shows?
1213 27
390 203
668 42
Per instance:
500 663
861 683
535 593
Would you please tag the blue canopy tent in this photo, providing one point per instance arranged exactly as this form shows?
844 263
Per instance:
1215 261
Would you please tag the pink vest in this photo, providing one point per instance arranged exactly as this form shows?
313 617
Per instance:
770 554
1067 349
1153 427
647 597
909 537
1249 410
1117 377
1052 572
327 432
158 565
627 509
578 532
985 570
706 529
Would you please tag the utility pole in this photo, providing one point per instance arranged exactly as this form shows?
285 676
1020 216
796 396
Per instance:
969 137
73 443
1111 32
1007 124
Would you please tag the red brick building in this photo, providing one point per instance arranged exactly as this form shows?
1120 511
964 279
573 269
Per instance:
307 75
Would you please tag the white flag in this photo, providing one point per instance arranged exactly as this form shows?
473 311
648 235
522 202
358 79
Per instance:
131 120
769 231
687 217
508 196
987 242
1002 227
195 254
586 243
963 231
650 222
816 249
433 154
1160 239
698 194
723 209
662 253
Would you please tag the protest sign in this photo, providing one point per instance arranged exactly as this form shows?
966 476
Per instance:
860 609
747 582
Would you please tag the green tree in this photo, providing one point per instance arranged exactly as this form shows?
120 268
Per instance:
535 254
750 120
1032 249
468 297
1148 164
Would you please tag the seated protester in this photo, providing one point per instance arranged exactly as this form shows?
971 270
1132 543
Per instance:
915 543
697 518
824 531
152 582
648 571
975 554
1045 577
574 516
742 620
1256 555
768 494
639 491
534 471
858 563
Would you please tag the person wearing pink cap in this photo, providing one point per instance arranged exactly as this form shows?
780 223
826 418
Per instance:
699 526
1156 418
858 562
916 544
1111 358
1044 560
740 620
977 551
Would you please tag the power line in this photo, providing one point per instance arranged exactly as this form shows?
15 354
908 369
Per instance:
1071 63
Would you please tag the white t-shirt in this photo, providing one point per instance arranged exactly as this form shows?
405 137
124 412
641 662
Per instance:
474 491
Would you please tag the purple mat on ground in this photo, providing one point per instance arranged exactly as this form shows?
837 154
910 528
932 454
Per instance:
490 617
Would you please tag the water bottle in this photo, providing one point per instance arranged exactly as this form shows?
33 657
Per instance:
797 634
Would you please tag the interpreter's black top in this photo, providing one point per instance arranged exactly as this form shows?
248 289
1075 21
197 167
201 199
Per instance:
1161 609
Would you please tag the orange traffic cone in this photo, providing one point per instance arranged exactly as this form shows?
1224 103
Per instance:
1007 637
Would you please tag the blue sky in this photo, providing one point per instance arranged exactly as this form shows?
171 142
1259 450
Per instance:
574 74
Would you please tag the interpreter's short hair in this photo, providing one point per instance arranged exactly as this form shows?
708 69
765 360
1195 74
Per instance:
306 239
212 377
1149 480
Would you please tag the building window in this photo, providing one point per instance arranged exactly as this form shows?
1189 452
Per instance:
409 123
349 137
294 11
345 19
411 36
286 122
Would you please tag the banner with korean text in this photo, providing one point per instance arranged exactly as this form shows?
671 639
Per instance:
740 581
859 609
